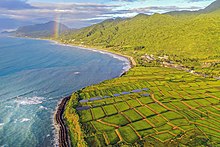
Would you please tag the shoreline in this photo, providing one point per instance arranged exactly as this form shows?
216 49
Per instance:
103 51
61 128
129 61
62 138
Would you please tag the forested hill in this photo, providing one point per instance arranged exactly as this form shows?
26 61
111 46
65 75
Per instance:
184 38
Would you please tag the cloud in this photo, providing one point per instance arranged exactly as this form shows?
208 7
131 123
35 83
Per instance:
124 0
15 4
146 10
197 0
162 9
71 14
74 15
128 0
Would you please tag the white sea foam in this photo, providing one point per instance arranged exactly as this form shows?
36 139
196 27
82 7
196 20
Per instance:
1 125
126 67
29 100
76 73
25 120
42 107
7 106
15 121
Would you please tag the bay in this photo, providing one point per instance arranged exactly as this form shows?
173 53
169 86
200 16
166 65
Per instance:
34 76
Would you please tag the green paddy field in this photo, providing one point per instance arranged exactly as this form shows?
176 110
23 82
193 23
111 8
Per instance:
148 106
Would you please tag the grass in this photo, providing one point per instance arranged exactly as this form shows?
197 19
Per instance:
157 120
172 115
157 108
164 127
128 134
98 113
117 119
101 127
145 111
132 115
110 109
147 132
122 106
86 116
145 100
180 122
173 110
141 125
112 137
133 103
164 136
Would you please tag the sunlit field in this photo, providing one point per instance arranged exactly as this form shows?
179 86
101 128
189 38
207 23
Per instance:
149 106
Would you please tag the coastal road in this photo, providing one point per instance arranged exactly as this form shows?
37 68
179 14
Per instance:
63 132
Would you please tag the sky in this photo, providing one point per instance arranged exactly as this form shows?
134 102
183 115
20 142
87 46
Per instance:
82 13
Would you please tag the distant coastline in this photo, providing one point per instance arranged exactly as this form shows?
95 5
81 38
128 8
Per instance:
116 55
103 51
132 62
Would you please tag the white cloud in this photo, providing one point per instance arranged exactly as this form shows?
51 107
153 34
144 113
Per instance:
78 14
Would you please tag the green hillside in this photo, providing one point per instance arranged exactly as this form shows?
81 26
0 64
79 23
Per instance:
191 40
158 33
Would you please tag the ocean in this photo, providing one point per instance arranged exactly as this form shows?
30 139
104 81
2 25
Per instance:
34 76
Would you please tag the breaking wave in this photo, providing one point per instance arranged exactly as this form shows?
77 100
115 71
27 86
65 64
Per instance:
29 100
25 119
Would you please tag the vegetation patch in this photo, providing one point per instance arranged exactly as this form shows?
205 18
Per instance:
171 113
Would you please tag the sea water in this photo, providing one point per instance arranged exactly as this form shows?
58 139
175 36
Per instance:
34 76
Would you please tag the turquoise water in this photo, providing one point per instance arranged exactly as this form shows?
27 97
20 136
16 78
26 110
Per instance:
34 76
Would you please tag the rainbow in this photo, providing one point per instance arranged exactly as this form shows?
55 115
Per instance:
57 26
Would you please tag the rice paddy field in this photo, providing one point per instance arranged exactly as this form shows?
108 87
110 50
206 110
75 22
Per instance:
148 106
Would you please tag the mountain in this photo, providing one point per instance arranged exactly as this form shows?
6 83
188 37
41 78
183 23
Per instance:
7 32
214 6
42 30
184 37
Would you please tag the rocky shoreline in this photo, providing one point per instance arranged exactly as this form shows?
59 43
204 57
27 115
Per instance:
61 127
63 135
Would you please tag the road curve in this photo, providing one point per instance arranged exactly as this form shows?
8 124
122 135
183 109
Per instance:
63 131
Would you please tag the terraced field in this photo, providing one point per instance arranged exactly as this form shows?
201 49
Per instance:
149 106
